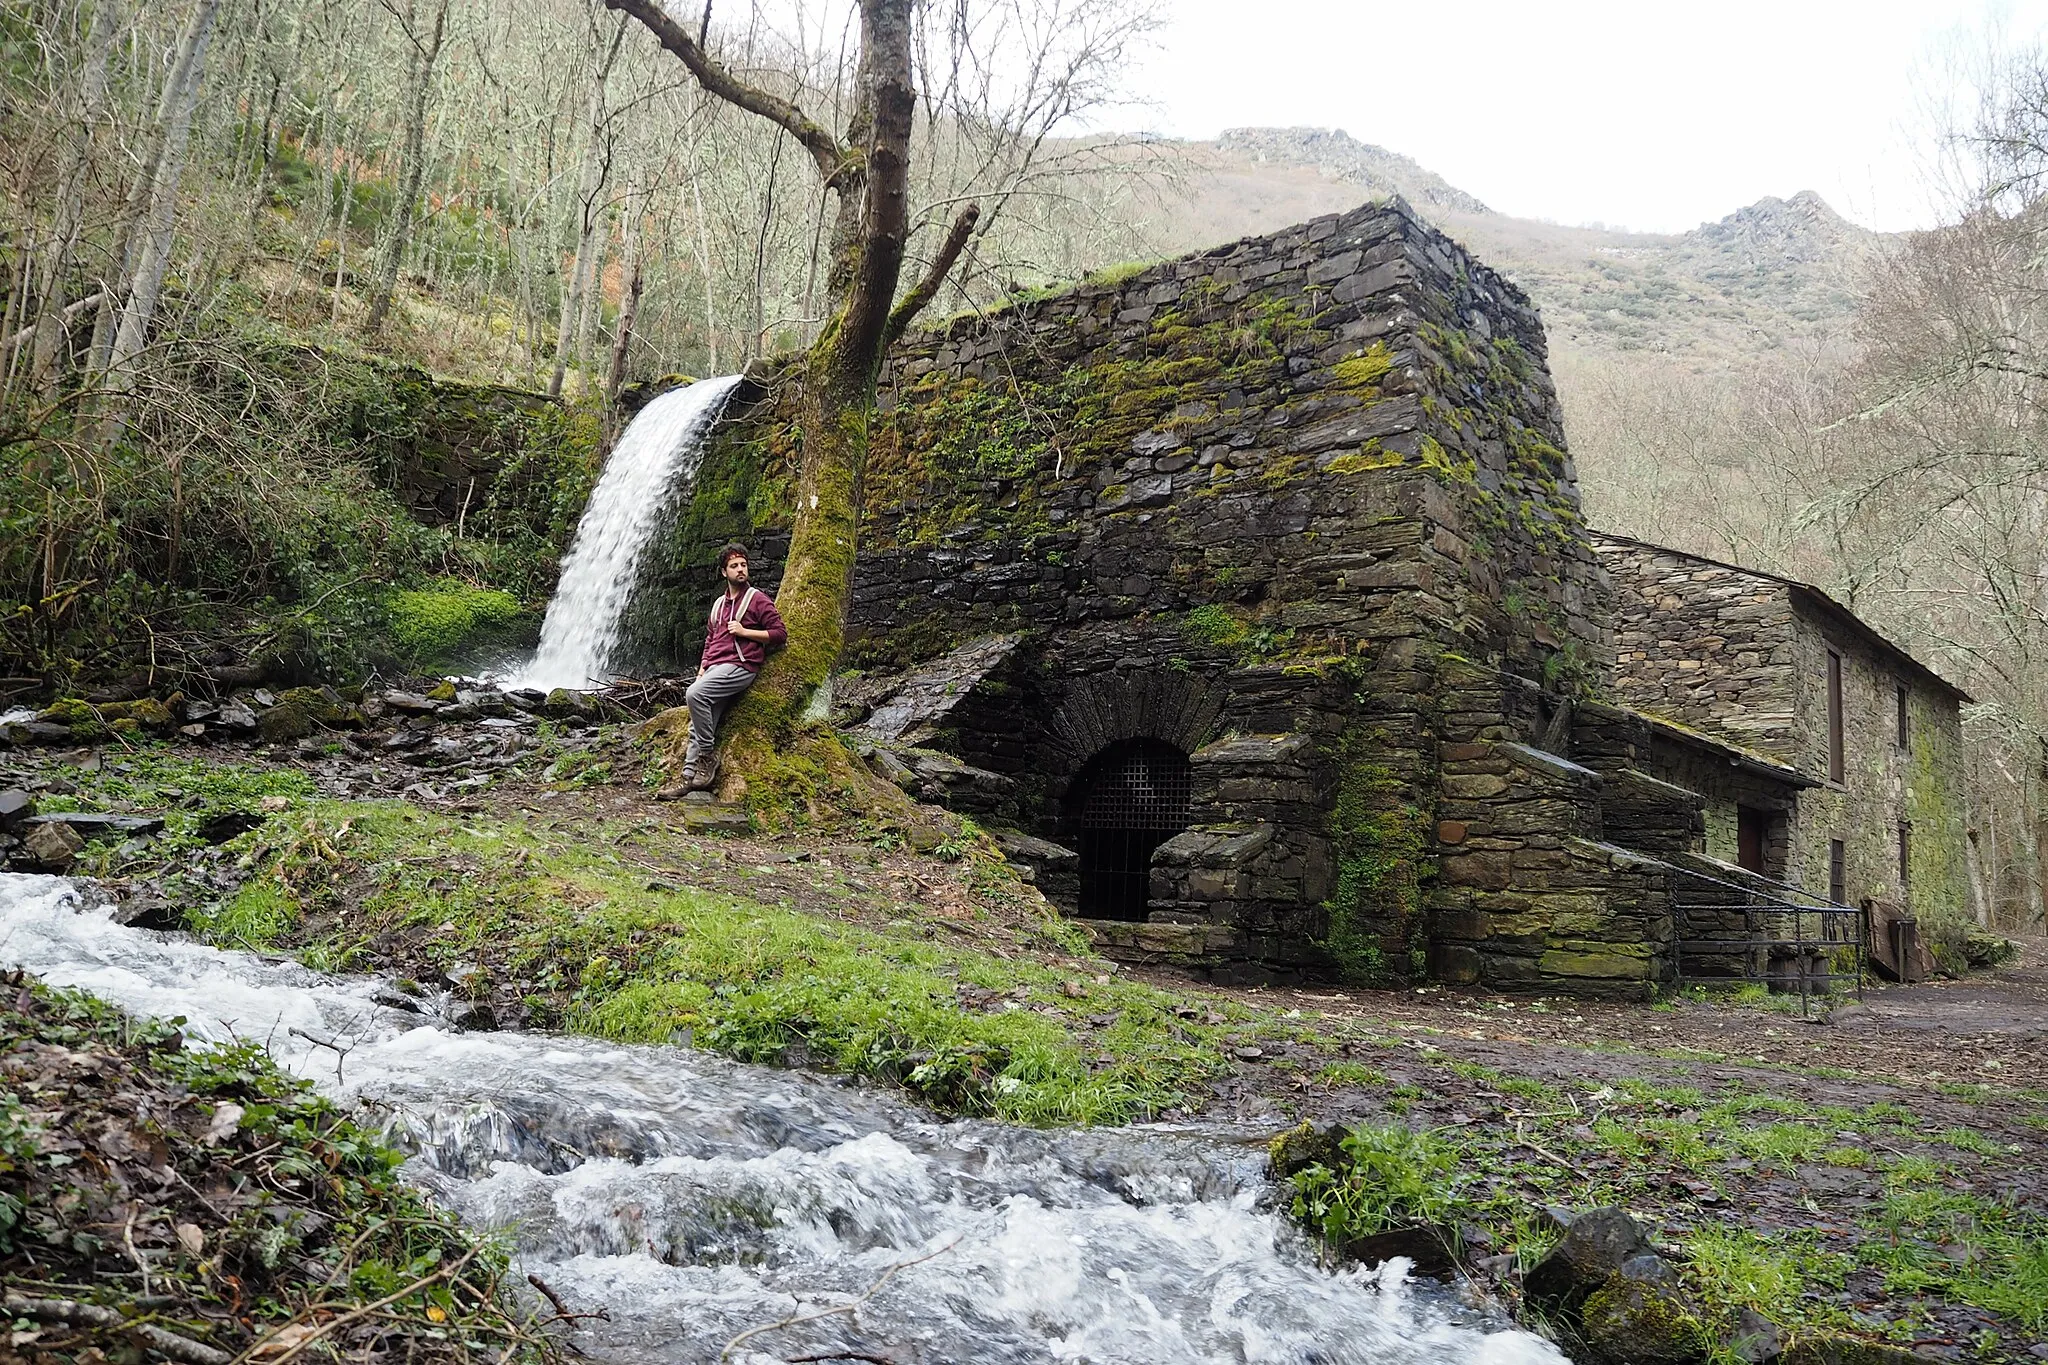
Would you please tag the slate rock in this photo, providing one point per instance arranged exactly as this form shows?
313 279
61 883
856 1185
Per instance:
567 704
148 909
52 846
1754 1338
473 1016
96 825
1595 1245
281 723
236 715
222 826
1426 1248
16 806
1641 1316
712 817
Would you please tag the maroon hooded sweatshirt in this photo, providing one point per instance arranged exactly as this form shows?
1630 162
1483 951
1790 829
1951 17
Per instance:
758 614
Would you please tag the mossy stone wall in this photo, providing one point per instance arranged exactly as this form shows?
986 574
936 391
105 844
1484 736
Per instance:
1299 472
1917 786
1742 657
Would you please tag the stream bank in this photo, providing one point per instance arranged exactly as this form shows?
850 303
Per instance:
1815 1172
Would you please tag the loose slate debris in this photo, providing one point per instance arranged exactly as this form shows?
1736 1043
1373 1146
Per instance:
158 1201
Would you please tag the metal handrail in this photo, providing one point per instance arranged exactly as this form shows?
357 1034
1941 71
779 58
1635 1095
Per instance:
1757 941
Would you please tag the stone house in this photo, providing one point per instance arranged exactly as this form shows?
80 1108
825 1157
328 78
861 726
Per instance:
1246 597
1828 757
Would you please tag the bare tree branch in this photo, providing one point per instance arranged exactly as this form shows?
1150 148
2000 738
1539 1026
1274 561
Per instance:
927 288
831 158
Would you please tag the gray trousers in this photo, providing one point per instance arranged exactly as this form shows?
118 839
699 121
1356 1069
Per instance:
715 689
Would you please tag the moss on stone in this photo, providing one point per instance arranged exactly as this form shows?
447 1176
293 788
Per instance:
434 625
1362 373
1372 455
1380 843
1632 1323
88 719
301 711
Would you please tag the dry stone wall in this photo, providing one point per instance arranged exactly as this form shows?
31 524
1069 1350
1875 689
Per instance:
1742 658
1703 644
1917 786
1299 507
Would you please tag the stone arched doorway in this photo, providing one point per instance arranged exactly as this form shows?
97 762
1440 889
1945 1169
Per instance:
1126 801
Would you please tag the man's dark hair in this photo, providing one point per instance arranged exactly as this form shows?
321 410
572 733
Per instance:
725 556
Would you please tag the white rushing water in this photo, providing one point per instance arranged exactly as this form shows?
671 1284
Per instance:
656 452
695 1199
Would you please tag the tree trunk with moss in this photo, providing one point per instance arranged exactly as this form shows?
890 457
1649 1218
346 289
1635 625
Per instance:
869 173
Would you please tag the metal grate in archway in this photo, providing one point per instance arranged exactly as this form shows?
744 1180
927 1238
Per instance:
1130 798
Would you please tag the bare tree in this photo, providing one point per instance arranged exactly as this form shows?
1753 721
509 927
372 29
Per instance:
422 53
867 168
153 262
589 210
629 302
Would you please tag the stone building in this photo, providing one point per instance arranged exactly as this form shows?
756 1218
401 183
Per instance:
1247 598
1828 756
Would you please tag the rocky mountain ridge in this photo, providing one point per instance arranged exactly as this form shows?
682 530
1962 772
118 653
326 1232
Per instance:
1769 273
1340 156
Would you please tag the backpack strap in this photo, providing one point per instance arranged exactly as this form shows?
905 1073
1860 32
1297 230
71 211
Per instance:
739 611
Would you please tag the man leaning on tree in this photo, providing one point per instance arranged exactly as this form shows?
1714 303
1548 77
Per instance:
744 626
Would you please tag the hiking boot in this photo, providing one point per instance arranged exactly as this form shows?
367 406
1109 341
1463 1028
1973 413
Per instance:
704 777
681 787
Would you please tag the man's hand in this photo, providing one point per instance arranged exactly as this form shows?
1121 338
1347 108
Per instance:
734 628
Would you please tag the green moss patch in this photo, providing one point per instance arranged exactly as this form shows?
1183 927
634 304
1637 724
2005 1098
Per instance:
1380 841
438 624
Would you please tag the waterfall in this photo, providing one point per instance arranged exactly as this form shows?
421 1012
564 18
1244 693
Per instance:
696 1199
660 448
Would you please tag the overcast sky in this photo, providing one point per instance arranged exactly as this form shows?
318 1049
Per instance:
1651 114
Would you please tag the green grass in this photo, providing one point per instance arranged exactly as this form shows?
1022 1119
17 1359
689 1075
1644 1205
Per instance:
1334 1074
1966 1140
1966 1248
642 961
1734 1268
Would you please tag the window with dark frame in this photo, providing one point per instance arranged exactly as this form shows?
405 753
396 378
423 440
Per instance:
1905 863
1905 734
1838 872
1836 762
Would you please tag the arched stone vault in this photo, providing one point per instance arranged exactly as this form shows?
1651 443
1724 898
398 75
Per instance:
1102 708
